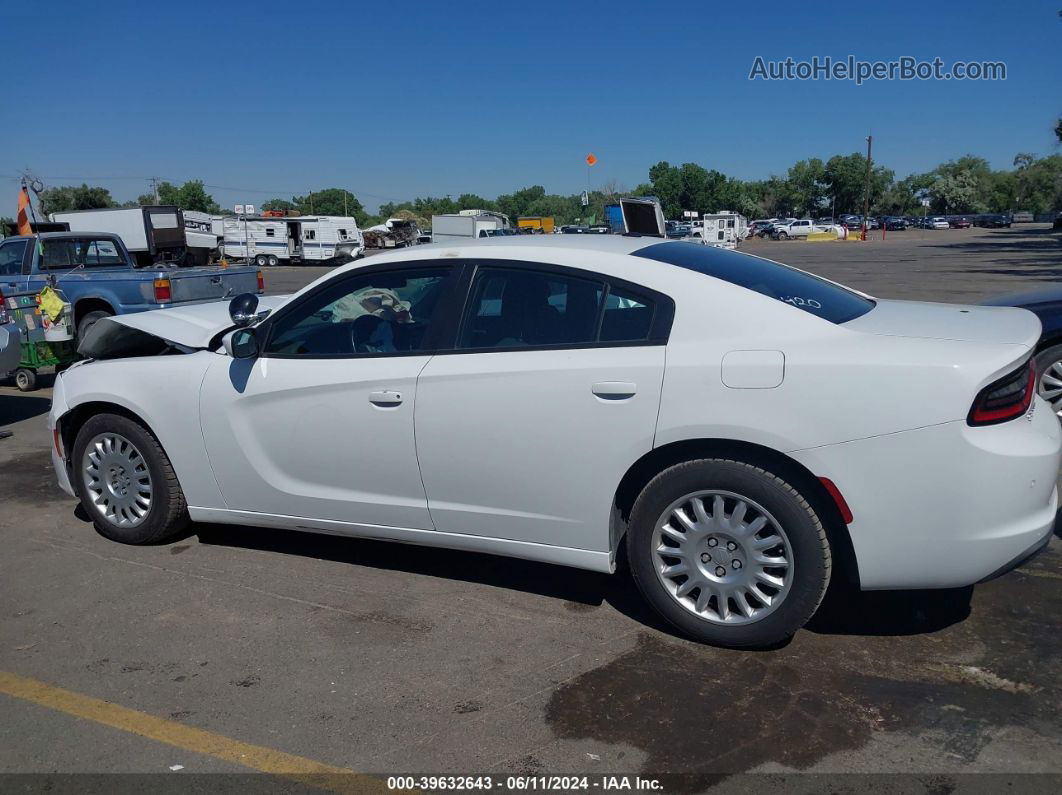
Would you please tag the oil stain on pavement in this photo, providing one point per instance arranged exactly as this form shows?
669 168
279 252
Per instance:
693 709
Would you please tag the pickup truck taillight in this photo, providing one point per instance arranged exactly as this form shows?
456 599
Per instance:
162 290
1006 398
4 319
261 282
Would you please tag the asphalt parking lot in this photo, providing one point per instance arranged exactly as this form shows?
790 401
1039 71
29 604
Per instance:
237 649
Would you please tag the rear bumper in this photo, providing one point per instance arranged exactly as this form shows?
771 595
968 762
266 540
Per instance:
948 505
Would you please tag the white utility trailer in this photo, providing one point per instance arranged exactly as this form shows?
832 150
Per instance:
152 234
302 239
465 225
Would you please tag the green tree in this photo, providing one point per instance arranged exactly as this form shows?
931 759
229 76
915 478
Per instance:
331 201
73 197
191 195
845 180
807 186
279 204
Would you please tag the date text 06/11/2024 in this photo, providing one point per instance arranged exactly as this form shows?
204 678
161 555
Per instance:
523 783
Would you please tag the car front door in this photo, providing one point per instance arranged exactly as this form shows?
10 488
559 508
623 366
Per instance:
12 253
551 392
320 424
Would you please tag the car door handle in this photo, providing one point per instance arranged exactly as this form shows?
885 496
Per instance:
385 397
614 390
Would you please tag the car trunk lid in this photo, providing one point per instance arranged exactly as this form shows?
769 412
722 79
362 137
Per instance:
984 324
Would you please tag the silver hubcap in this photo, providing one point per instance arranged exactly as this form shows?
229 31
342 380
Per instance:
117 480
1050 387
722 557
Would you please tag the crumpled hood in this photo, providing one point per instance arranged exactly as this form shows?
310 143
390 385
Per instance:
192 326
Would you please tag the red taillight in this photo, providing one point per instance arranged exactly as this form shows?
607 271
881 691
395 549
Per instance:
1004 399
4 320
57 440
162 290
838 499
261 282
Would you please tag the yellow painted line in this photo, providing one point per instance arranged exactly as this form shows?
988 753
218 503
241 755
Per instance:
200 741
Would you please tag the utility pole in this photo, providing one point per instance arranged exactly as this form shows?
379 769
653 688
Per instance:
866 195
311 202
155 187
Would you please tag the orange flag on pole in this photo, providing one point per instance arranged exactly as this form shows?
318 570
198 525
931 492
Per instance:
24 227
590 159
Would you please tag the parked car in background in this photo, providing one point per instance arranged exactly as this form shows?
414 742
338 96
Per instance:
799 228
894 224
938 222
96 274
756 227
996 221
1046 304
1058 222
960 222
1022 217
734 424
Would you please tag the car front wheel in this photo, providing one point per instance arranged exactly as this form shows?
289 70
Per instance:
125 481
728 553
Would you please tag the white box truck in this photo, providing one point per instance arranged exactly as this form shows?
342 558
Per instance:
153 234
464 227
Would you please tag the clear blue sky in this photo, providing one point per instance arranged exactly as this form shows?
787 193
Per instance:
394 100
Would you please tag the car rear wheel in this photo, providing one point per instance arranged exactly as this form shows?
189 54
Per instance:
273 260
125 481
728 553
261 260
783 236
1048 365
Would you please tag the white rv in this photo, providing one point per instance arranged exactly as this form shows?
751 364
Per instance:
723 229
330 239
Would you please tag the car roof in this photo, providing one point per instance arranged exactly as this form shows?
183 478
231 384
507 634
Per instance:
611 244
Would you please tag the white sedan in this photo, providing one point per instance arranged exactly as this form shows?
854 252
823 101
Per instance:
745 430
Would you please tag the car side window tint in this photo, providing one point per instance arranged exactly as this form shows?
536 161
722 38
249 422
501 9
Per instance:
627 317
513 308
388 312
11 255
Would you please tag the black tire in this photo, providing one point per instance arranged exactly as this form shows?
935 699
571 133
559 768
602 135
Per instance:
783 236
261 260
1043 361
812 561
25 379
86 322
272 260
168 513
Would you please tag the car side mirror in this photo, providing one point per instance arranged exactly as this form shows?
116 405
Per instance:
241 343
243 309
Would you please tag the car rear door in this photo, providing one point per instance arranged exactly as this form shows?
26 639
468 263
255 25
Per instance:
320 424
550 393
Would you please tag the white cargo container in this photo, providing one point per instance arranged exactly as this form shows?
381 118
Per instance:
152 234
306 238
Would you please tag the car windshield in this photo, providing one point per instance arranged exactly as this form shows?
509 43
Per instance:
799 289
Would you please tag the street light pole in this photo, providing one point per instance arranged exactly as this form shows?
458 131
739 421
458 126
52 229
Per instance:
866 194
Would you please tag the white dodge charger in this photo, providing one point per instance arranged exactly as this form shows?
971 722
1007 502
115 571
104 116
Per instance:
739 430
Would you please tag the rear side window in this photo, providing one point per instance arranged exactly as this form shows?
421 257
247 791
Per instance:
66 253
520 308
806 292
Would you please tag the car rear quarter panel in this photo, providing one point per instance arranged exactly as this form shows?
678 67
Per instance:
838 385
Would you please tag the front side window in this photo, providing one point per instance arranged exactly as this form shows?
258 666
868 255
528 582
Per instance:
521 308
382 313
11 255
